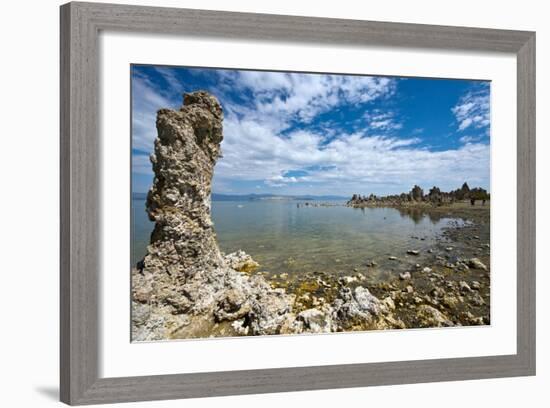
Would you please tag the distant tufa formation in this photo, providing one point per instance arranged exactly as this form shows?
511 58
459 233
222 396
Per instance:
416 196
185 287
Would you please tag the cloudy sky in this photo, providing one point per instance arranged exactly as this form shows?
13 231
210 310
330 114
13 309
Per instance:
292 133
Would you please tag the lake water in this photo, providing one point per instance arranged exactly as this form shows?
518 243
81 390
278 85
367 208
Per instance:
285 237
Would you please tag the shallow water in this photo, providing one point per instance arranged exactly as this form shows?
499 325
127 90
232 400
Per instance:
285 237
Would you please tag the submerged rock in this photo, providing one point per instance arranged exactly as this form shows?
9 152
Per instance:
241 261
405 275
461 267
477 300
348 279
477 264
450 301
390 304
429 316
464 287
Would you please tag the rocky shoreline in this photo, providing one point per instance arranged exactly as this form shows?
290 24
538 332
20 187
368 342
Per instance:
186 288
417 199
452 277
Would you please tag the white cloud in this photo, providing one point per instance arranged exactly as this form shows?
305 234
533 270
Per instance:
146 100
473 110
470 139
170 77
259 81
281 98
352 162
382 121
280 181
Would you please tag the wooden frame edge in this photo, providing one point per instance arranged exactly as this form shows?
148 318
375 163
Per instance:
79 176
526 204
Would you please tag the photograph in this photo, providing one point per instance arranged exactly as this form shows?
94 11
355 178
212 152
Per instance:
275 204
285 203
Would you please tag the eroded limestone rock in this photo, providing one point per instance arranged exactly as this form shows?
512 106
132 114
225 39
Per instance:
360 310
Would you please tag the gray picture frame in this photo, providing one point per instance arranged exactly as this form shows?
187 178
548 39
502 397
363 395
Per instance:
81 24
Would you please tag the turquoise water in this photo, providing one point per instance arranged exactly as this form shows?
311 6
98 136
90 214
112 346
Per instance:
285 237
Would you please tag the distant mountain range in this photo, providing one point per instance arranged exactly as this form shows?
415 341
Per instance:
256 197
139 196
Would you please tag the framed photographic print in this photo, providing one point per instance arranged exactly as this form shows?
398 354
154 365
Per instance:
261 203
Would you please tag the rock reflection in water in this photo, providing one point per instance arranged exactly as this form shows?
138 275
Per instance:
418 214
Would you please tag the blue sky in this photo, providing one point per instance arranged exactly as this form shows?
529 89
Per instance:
295 133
